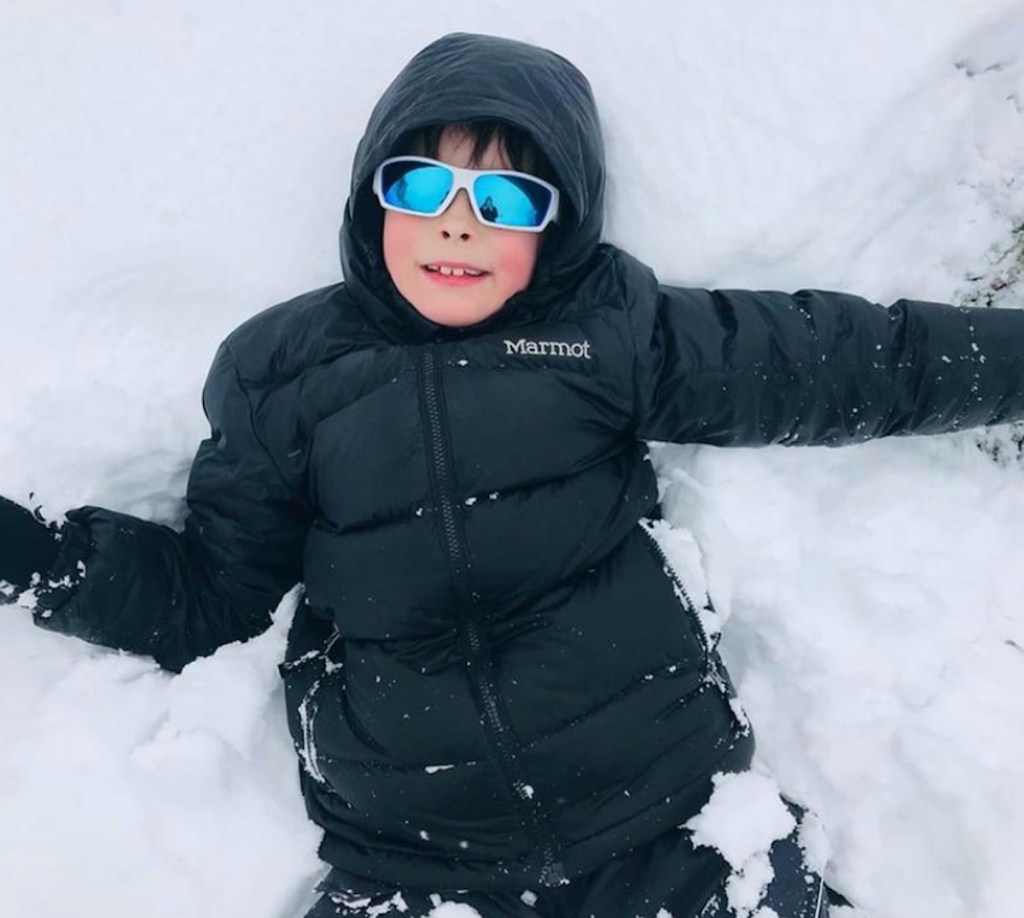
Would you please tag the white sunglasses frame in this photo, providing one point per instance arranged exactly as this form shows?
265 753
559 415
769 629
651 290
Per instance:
463 178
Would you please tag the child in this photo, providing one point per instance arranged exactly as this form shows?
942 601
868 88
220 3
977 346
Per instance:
499 692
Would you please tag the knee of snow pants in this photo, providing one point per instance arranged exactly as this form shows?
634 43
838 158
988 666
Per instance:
666 878
670 878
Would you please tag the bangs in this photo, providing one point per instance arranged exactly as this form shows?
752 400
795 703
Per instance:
523 154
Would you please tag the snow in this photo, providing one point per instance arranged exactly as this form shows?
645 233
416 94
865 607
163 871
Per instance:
394 904
743 817
168 169
443 909
875 642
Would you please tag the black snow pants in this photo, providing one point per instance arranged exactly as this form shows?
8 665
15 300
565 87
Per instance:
644 883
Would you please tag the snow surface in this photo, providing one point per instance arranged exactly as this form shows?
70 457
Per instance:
169 168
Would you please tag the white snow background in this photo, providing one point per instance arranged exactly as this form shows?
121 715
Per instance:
169 168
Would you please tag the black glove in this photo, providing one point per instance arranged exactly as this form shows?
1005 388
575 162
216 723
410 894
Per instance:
27 544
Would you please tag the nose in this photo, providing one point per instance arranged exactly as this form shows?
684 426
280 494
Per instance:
458 220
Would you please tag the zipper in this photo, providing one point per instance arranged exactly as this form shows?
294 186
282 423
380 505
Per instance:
479 664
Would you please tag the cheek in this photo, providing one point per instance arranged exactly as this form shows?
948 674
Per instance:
399 238
516 257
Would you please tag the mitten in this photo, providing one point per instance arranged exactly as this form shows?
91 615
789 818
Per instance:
27 544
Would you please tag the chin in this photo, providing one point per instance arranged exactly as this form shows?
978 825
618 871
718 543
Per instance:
456 319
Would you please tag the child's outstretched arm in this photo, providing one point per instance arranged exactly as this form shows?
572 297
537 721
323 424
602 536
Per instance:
747 368
176 596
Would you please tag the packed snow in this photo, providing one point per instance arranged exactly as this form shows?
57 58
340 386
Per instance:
166 170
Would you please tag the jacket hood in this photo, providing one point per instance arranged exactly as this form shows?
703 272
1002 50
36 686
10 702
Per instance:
466 77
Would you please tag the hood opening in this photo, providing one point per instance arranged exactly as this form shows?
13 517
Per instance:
463 78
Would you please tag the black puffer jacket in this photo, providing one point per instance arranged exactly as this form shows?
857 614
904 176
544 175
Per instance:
496 679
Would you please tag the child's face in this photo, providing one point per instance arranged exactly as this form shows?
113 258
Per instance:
411 242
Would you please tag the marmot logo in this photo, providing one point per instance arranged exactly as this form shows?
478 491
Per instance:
548 348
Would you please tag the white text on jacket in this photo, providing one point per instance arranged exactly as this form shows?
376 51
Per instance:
548 348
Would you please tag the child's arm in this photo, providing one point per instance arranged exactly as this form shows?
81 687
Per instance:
751 368
178 596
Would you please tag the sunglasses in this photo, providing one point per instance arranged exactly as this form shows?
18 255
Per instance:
426 187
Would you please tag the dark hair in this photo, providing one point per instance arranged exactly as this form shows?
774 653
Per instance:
521 149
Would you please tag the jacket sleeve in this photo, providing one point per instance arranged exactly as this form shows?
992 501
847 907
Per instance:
143 587
744 368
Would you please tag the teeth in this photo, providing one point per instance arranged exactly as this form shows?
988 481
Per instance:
454 272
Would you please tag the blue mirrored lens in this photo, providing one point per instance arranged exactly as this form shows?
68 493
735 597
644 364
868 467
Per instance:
507 200
416 187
